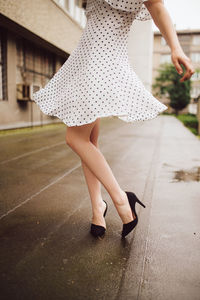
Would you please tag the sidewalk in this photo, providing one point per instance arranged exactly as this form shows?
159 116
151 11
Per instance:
46 249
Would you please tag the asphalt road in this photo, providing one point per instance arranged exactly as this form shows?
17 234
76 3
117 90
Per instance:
46 249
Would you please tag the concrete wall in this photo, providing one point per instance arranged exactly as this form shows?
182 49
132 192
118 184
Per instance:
140 49
46 19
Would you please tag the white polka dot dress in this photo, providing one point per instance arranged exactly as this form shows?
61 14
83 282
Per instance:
97 79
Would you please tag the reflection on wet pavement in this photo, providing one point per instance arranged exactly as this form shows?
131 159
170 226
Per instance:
187 175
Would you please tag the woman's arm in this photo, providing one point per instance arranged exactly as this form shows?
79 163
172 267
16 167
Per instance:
163 21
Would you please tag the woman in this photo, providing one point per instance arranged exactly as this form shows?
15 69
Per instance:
97 81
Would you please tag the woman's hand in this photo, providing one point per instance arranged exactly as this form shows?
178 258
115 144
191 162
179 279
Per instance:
164 22
178 57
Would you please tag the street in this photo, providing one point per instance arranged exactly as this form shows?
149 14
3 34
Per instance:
46 249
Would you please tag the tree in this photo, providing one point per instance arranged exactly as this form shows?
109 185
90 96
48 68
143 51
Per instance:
168 83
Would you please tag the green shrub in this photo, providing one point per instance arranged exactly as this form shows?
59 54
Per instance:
189 120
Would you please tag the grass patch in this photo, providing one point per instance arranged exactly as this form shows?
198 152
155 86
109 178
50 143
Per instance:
190 121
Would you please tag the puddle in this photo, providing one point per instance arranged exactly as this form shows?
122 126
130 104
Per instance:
187 175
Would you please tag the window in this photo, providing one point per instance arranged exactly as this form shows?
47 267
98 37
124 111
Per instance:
196 40
165 58
64 3
196 76
195 92
75 9
79 13
34 65
195 57
3 64
163 41
184 38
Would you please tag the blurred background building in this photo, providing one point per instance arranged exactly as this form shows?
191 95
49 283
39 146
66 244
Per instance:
190 43
36 38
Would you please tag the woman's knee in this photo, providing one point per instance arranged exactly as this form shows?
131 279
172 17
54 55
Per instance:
73 141
94 142
95 134
76 134
71 138
68 139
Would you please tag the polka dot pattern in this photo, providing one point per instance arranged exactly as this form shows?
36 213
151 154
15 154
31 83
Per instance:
137 7
97 79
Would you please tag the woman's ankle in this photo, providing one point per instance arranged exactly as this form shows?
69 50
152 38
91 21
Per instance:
120 199
123 208
98 207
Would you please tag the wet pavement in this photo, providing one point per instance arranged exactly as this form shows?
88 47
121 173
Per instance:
46 249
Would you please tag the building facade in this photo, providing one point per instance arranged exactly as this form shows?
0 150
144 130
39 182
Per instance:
36 38
190 43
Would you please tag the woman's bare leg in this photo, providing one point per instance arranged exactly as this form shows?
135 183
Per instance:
78 138
94 185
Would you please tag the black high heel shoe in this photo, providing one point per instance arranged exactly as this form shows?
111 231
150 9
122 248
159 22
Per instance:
128 227
98 230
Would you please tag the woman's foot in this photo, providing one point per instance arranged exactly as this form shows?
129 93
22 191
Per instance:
98 218
124 209
128 227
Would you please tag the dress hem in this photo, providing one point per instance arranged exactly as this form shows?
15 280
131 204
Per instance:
120 116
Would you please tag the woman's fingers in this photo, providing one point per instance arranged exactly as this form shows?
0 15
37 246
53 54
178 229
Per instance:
177 60
189 68
177 64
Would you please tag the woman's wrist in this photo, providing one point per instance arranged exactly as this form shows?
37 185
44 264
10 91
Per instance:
177 48
163 21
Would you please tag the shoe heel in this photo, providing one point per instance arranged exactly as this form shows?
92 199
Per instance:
137 200
105 208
